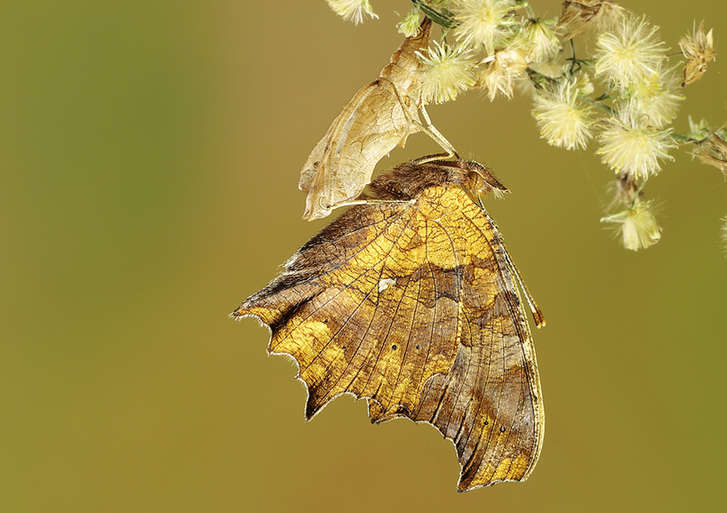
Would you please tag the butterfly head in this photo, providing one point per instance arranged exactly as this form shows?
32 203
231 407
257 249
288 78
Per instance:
480 180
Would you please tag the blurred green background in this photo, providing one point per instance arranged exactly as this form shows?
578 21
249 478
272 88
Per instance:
150 154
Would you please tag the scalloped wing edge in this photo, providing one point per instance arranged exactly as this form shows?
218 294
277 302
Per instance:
308 418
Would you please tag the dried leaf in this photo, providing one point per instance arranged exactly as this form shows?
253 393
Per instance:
579 15
698 49
713 152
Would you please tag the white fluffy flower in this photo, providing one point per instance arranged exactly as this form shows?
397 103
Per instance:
658 97
563 119
352 10
502 70
447 72
540 39
630 52
482 23
409 24
630 146
638 226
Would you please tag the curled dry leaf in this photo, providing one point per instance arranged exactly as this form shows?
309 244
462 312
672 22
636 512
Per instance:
411 301
578 15
380 116
698 49
713 151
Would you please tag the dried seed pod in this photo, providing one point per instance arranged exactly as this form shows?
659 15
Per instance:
698 49
579 15
713 152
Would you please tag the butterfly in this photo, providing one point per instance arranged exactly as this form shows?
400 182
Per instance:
411 301
380 116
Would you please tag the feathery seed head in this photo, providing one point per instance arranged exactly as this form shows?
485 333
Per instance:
409 24
657 97
447 72
630 52
638 226
502 70
540 39
630 146
483 23
584 84
352 10
564 120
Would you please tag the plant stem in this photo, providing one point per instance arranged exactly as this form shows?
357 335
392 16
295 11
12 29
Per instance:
685 139
597 103
444 18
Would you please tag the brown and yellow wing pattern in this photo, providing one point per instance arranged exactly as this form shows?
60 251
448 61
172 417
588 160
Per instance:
413 305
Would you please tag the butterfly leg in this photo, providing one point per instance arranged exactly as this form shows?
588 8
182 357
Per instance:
427 127
435 134
375 202
431 158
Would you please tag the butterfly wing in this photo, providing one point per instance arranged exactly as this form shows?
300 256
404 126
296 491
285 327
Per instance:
414 308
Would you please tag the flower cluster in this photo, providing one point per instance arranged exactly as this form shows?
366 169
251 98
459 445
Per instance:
625 96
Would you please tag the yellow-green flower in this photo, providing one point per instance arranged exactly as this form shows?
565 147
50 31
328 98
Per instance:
409 24
657 97
630 53
563 119
502 70
483 23
447 71
540 39
352 10
637 225
629 145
